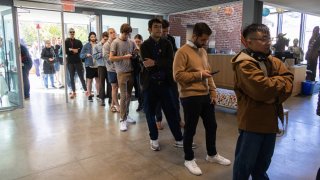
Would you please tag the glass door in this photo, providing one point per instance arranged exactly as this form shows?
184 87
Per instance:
10 94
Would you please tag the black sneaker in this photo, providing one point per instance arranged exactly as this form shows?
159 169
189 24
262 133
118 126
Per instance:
103 103
139 108
90 98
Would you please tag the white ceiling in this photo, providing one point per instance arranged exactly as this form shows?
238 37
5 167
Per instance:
304 6
165 7
154 7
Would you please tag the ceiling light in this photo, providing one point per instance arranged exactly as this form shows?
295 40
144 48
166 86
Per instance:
98 1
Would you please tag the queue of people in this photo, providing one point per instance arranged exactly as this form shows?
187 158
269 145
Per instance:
165 77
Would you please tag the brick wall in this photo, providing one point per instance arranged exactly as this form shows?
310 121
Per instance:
226 28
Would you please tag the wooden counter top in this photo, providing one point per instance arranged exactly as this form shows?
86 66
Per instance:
224 79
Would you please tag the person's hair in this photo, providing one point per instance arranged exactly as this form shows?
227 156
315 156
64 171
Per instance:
201 28
138 36
253 28
105 34
152 21
91 33
125 28
165 23
111 29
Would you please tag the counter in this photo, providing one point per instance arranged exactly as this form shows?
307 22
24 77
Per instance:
222 62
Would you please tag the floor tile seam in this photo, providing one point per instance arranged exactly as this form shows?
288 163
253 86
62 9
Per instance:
48 169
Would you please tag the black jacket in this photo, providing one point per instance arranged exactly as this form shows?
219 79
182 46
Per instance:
25 57
173 43
73 58
163 63
48 66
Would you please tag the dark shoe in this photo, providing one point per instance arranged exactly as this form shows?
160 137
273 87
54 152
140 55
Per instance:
103 103
90 98
109 101
139 108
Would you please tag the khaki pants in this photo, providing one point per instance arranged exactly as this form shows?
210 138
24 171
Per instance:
125 82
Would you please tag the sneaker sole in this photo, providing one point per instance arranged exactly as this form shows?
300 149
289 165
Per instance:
179 146
155 149
192 172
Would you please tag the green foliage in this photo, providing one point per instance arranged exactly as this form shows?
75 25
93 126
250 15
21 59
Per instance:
49 31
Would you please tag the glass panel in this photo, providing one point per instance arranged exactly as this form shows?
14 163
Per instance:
139 26
272 22
113 22
9 81
82 28
291 25
311 22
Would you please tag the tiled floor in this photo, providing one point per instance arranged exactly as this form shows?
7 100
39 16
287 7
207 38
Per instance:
50 139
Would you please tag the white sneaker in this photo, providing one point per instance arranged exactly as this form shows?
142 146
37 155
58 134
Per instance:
218 159
154 145
179 144
123 125
130 120
193 167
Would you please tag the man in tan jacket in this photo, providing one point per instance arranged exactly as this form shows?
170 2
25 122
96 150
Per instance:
198 95
262 84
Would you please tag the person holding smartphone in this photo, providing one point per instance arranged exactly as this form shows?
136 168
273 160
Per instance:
198 96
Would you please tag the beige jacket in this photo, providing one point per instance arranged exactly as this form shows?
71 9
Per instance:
187 66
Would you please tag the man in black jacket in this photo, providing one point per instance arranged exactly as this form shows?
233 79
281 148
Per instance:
73 49
26 66
157 82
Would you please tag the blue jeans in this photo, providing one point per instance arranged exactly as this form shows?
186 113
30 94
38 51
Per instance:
161 92
45 79
26 82
253 155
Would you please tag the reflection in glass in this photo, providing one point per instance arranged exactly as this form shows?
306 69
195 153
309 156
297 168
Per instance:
9 89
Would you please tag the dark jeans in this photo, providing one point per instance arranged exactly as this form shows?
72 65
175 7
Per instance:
158 112
161 92
312 66
36 64
318 107
26 82
103 78
253 155
73 68
193 108
175 93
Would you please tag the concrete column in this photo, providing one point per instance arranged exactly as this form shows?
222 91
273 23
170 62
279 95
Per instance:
252 12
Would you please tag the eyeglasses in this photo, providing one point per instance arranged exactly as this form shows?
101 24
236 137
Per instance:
264 39
71 32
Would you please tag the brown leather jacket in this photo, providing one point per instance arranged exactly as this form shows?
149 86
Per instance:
260 97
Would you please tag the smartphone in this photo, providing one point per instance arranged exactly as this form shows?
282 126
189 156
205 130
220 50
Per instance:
214 72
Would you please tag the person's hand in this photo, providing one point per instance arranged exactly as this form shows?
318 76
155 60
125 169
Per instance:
75 51
89 55
51 59
213 100
205 74
148 62
127 56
